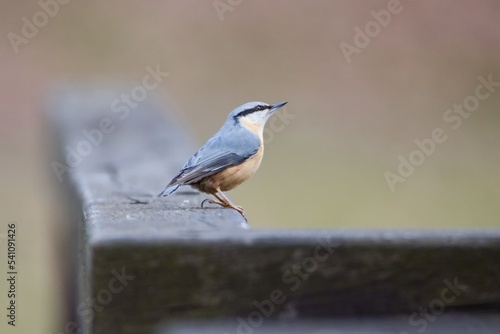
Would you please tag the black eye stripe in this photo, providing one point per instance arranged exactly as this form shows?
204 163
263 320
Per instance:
251 110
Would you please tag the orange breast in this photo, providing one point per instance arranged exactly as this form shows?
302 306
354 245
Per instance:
232 176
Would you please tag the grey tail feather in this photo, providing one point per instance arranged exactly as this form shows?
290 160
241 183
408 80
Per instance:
168 190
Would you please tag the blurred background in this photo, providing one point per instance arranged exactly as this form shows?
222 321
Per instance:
360 93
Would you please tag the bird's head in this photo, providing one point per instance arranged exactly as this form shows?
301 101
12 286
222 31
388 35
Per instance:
254 114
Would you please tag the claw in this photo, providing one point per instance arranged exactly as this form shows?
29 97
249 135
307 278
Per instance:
225 203
211 201
242 212
203 202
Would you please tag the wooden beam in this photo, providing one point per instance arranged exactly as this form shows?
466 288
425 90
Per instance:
141 263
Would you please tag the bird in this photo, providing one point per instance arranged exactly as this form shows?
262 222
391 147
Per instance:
229 157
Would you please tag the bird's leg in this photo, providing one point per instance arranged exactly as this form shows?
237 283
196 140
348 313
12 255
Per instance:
220 201
228 203
212 201
223 201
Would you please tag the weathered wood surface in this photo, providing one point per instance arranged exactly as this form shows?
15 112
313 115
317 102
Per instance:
169 260
446 323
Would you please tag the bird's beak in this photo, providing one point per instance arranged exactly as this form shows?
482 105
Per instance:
276 106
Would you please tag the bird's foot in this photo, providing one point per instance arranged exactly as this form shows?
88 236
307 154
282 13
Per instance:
226 205
212 201
241 211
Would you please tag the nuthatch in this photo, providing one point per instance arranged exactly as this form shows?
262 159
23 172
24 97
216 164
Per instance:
229 157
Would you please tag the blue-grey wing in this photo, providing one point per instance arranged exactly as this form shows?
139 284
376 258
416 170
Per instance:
223 150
